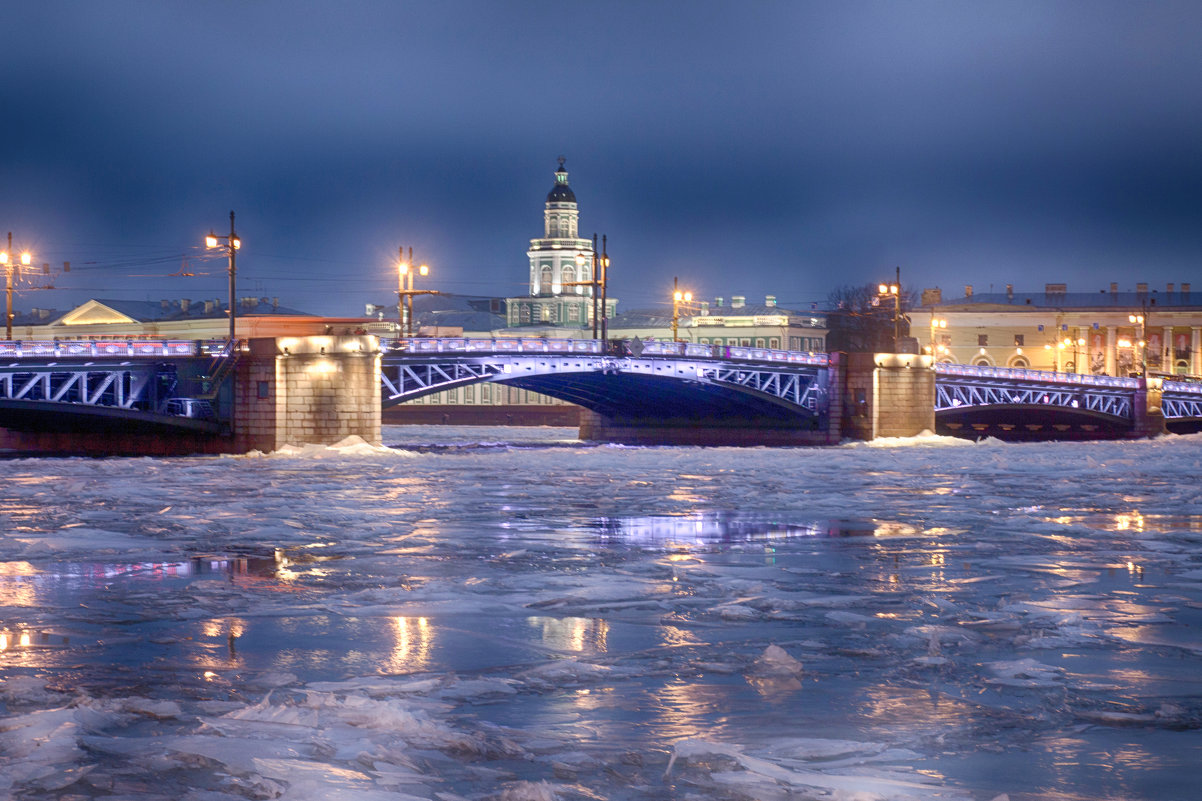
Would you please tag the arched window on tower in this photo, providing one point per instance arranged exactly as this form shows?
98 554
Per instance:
544 280
567 277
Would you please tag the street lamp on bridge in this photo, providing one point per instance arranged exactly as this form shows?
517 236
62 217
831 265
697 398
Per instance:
406 271
8 259
231 244
680 299
893 290
1142 344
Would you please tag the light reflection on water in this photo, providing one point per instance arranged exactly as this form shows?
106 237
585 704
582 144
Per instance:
708 528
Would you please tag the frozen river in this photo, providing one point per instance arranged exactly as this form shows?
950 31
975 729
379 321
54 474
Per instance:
509 614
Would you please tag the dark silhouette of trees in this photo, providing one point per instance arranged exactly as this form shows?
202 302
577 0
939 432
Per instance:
860 320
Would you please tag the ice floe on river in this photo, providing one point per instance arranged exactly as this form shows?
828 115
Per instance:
544 620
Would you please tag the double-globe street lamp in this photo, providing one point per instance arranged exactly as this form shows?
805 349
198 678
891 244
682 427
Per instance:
406 271
8 259
893 290
936 349
681 299
231 244
1140 320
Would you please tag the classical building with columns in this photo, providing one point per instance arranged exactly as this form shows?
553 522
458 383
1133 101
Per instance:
1113 331
561 268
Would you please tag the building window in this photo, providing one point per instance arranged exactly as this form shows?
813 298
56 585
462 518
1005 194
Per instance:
1018 340
544 280
774 342
469 394
264 390
982 340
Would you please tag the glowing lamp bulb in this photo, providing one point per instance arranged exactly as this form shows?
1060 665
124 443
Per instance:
211 241
26 258
423 270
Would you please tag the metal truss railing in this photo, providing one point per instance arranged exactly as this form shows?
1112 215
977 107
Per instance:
120 387
797 388
956 394
411 380
1179 399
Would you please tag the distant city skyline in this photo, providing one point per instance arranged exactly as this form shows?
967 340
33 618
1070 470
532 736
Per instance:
750 149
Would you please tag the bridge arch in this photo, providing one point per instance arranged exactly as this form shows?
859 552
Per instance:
671 387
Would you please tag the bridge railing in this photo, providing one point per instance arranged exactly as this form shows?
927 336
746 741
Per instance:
1181 387
1025 374
612 348
42 349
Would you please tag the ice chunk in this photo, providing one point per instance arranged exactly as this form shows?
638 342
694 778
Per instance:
776 661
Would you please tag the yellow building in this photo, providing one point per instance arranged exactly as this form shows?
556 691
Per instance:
1110 332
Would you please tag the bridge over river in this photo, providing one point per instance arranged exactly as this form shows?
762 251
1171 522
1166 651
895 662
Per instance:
146 396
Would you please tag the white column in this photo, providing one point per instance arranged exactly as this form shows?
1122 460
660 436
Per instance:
1195 346
1112 359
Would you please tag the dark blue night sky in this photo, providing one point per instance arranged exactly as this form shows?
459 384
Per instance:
749 148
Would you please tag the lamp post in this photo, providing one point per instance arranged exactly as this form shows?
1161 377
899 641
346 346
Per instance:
1140 320
678 298
599 281
231 244
406 270
603 263
594 282
894 290
935 348
7 258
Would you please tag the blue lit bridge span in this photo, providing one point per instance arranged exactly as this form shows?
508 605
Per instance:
114 385
653 391
1038 404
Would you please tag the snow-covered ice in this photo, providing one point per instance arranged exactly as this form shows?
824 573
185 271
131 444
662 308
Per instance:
512 614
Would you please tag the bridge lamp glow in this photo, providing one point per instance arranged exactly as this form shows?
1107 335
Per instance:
26 257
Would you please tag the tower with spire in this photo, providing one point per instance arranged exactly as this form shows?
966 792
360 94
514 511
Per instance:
561 266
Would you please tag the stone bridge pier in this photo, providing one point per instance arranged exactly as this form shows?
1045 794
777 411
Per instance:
887 395
306 390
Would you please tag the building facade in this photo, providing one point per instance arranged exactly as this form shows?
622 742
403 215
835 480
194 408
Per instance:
1110 332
